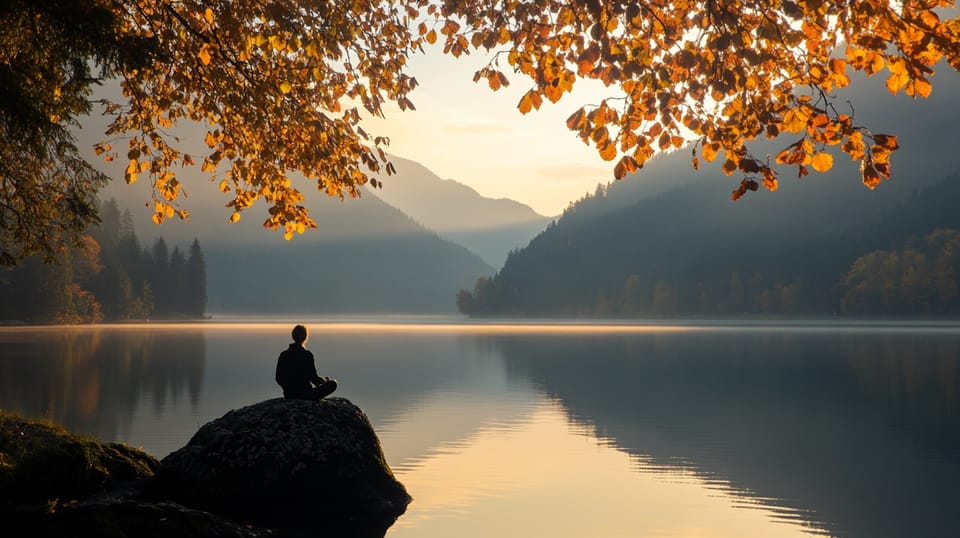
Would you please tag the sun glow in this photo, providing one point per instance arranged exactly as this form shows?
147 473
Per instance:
550 477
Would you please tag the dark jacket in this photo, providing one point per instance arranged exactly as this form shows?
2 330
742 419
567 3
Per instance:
297 372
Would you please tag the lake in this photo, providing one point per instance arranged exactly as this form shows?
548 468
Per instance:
561 429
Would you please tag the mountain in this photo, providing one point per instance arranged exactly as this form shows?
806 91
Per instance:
369 257
669 241
365 257
490 227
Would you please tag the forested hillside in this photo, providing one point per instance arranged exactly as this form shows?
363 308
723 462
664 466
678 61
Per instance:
110 277
679 254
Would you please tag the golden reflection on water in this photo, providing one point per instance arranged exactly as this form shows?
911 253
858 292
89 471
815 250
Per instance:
549 477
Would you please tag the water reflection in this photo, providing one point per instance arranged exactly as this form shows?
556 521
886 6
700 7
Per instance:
856 433
518 431
93 380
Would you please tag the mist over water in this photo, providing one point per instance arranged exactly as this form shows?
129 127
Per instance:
564 429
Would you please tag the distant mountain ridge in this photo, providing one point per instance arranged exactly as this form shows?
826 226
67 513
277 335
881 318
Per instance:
490 227
365 256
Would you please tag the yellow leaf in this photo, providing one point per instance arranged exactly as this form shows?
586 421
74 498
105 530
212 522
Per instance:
822 162
277 43
130 174
235 217
710 151
897 81
285 87
795 120
204 54
920 87
208 15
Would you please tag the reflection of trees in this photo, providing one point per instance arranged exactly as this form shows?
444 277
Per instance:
857 433
91 380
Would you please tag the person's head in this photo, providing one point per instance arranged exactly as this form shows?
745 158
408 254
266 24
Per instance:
299 334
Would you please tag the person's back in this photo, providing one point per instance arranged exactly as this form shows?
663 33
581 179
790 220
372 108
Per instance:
297 372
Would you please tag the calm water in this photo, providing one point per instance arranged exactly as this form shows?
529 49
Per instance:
563 430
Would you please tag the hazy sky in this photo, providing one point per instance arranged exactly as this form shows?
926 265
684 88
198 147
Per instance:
464 131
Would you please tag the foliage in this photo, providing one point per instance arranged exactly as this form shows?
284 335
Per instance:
108 277
47 191
281 85
720 73
920 279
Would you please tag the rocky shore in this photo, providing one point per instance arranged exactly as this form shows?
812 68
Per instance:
276 468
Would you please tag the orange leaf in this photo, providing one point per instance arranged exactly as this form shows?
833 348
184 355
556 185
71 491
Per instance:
920 87
608 151
886 141
822 162
204 54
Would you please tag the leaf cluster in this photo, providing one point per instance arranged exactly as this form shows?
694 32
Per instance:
282 86
720 73
49 53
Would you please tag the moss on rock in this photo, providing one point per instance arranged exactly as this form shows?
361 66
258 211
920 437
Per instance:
40 462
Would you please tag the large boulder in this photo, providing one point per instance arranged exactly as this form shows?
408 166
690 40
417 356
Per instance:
288 464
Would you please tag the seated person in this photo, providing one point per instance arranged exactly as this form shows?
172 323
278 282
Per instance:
297 373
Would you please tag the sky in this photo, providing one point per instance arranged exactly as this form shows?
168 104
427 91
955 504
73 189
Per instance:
465 131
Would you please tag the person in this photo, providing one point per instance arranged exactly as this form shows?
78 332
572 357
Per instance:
297 372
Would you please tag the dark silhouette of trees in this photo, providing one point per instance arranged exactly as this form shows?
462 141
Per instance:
907 265
107 277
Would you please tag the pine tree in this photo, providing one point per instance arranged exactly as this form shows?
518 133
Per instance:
195 280
178 297
158 275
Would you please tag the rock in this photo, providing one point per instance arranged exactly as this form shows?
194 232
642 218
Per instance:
41 462
56 483
127 518
288 464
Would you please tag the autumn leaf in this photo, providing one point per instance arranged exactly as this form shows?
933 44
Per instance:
886 141
920 87
821 162
530 100
710 151
899 77
204 54
608 151
870 176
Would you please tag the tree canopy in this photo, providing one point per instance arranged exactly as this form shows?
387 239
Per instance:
283 86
